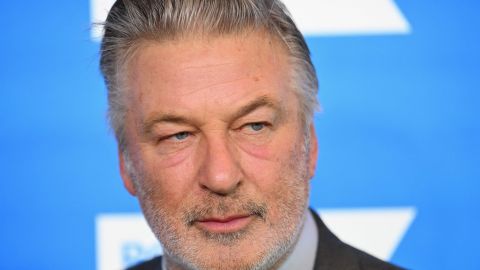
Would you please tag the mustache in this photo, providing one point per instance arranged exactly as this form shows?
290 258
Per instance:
224 208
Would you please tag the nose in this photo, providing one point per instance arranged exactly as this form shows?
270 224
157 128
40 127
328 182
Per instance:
221 170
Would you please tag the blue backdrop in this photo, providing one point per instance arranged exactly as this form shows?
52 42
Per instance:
400 126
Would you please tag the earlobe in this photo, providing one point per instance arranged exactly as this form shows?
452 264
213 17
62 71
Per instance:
127 180
313 153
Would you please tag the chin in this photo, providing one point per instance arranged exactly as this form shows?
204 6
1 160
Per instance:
248 250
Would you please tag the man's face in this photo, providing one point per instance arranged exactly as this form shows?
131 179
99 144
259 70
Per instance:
218 154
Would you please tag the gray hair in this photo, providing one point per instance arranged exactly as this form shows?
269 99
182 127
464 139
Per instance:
132 21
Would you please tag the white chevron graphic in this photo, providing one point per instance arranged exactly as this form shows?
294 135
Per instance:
316 17
123 239
348 17
377 231
98 14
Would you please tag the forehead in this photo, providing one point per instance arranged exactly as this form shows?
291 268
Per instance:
170 75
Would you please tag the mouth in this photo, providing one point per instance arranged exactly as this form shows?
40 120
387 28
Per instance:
224 225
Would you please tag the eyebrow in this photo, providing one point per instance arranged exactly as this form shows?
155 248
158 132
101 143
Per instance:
262 101
148 125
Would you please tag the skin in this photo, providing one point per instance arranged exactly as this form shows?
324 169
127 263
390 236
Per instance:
216 150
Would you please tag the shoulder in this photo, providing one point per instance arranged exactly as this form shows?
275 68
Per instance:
153 264
332 253
346 257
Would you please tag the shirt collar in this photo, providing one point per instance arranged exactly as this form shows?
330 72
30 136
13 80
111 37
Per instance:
304 252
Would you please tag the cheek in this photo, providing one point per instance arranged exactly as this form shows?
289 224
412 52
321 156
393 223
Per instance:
264 172
266 162
259 152
265 153
168 184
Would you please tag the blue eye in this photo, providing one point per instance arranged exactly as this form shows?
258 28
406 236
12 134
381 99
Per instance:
257 126
181 135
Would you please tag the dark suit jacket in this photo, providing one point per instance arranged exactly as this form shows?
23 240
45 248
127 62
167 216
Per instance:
332 254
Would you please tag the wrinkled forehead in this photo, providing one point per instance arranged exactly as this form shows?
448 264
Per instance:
183 43
211 77
197 62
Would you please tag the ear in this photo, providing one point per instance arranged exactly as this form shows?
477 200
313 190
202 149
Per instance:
312 161
127 180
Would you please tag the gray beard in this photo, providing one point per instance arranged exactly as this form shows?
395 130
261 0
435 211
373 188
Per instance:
180 255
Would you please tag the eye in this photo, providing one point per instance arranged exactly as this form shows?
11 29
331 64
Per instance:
257 126
181 135
256 133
